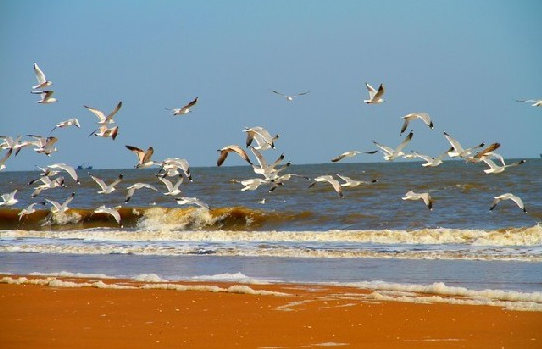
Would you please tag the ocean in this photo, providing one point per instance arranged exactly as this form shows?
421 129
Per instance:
370 237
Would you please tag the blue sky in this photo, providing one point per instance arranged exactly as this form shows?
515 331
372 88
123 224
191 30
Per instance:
463 62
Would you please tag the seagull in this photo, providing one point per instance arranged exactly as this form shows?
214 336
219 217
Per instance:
10 143
185 109
46 96
413 116
191 201
253 184
458 150
171 166
494 168
40 76
48 183
231 148
290 98
9 199
107 189
535 102
62 166
60 208
103 131
66 123
3 160
269 171
29 209
330 180
108 210
350 154
172 189
429 160
390 153
410 195
144 157
43 145
104 120
136 186
374 95
508 196
261 136
349 182
285 177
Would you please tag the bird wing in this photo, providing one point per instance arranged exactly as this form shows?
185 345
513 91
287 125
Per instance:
405 142
281 94
117 108
371 90
99 181
40 76
96 112
379 93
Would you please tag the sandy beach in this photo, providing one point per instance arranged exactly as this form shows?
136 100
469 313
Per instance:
107 313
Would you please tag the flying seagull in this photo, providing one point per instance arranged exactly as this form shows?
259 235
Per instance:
40 76
29 209
60 207
390 153
232 148
349 154
508 196
9 199
185 109
66 123
143 157
535 102
136 186
46 96
494 168
290 97
458 150
191 201
413 116
108 210
374 95
103 131
261 136
410 195
106 189
104 120
330 180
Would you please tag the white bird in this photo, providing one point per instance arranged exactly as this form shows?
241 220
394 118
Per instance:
106 189
9 199
171 166
137 186
328 178
458 150
58 207
374 95
29 209
3 160
494 168
62 166
350 154
108 210
185 109
429 160
410 195
487 153
48 183
46 96
172 189
261 136
253 184
104 120
231 148
191 201
66 123
389 153
43 145
535 102
349 182
413 116
10 143
103 131
268 171
143 157
508 196
290 97
40 76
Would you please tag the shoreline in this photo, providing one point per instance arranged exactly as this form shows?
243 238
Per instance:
65 312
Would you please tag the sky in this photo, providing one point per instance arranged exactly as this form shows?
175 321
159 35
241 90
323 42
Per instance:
464 62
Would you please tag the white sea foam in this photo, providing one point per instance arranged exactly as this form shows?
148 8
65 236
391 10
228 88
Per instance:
528 236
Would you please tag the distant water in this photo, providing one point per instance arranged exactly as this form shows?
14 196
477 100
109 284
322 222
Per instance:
295 234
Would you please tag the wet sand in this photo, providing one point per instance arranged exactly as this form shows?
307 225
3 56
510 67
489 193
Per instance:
226 315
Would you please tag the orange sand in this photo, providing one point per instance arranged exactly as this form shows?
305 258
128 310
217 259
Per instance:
309 317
